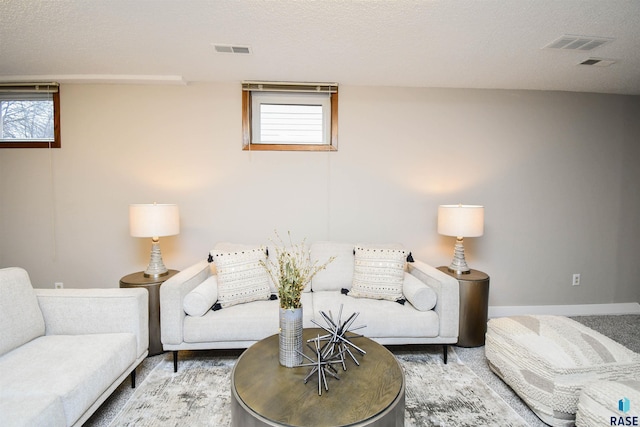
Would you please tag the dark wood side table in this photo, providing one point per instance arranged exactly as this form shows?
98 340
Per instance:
152 285
474 306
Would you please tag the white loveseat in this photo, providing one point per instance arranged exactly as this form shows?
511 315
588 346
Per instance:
428 316
64 351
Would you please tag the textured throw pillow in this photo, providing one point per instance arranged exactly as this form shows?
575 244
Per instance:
237 247
201 299
241 278
421 296
378 273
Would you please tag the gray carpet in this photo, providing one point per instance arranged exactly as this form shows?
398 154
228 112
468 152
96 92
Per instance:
199 394
623 329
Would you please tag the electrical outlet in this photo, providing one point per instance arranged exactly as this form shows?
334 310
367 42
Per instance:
576 279
58 285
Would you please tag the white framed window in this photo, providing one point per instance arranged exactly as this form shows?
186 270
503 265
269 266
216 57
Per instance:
29 115
289 116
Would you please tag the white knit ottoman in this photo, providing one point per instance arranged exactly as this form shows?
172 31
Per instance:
609 403
547 361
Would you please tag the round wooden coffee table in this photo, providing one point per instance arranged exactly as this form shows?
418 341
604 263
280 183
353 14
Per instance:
263 393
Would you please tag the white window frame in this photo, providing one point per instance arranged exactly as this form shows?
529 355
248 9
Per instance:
260 99
257 94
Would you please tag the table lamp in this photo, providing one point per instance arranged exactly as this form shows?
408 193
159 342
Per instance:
154 220
460 221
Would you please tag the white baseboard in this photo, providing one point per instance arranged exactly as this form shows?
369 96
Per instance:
565 310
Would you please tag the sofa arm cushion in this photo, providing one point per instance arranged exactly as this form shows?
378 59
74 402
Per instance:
20 316
447 289
421 296
172 293
201 299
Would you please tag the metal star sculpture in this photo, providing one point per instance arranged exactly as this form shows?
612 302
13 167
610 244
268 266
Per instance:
337 338
333 351
321 364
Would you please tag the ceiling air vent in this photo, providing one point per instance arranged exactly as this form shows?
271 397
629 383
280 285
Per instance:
227 48
569 42
598 62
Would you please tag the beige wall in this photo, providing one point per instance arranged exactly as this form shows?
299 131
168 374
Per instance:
556 171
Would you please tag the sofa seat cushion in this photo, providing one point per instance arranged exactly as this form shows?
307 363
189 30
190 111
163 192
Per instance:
75 368
604 403
548 360
252 321
33 409
243 322
383 319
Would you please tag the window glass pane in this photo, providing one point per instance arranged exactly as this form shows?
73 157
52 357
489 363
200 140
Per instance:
26 120
282 123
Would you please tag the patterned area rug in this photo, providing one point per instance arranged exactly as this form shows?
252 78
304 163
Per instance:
199 394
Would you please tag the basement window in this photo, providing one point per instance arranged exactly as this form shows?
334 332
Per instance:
290 116
29 115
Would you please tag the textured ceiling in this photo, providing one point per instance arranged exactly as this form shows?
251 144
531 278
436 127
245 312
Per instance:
438 43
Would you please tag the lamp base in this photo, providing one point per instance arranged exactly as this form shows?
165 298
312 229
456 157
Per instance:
458 272
156 267
155 276
459 264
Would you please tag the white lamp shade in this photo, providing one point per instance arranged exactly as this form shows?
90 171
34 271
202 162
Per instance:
461 220
154 220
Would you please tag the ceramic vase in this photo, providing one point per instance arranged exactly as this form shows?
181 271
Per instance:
290 336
